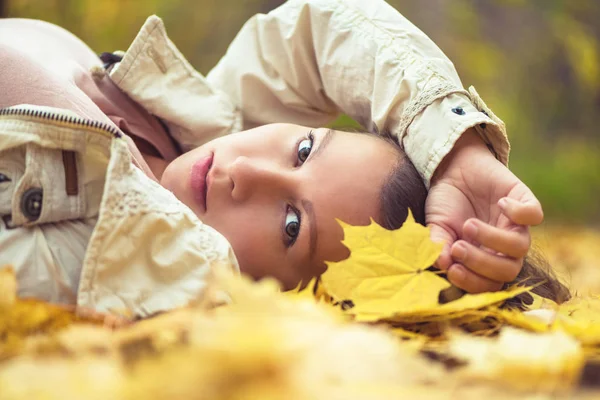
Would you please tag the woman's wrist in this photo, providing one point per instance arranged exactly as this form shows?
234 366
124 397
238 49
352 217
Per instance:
469 145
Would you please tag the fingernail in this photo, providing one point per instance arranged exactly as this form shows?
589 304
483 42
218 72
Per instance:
458 272
459 252
503 202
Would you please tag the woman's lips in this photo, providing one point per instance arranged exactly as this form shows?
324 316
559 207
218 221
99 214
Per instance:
198 179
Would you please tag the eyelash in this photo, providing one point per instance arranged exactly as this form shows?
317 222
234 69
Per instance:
310 137
291 240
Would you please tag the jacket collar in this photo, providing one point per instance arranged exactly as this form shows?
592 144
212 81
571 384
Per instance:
155 74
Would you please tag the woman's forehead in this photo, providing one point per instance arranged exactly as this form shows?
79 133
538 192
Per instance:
345 182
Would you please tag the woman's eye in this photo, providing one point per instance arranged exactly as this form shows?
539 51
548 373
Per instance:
292 225
304 148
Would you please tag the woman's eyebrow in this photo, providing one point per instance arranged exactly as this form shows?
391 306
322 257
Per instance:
313 232
323 144
308 205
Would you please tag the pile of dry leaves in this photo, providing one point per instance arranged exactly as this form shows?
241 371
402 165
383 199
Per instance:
371 328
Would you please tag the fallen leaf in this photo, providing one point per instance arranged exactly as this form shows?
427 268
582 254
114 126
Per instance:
465 303
8 286
523 360
386 271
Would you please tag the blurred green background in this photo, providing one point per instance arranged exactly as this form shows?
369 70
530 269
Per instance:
535 63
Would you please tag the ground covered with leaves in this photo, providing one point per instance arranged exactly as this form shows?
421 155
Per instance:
372 328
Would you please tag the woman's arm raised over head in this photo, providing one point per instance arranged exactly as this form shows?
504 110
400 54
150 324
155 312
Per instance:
309 60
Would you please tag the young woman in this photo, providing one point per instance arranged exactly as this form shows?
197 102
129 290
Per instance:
203 178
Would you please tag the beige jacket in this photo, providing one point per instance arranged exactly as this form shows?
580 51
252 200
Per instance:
305 62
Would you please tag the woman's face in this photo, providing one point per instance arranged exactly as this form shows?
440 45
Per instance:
274 192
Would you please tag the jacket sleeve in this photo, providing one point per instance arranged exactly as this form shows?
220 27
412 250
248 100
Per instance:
309 60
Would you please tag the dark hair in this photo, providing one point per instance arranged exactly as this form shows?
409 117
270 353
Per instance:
404 189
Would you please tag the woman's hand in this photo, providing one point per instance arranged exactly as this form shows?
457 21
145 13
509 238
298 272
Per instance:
482 212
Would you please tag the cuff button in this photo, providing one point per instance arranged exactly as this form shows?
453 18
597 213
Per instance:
458 111
31 203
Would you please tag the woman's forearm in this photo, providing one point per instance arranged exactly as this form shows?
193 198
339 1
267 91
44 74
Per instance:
310 59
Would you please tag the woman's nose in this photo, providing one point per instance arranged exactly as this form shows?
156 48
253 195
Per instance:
257 176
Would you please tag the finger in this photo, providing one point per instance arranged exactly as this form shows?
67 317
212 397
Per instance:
470 281
444 260
527 212
514 243
488 265
441 235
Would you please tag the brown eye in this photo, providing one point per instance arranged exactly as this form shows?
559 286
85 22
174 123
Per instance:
292 225
292 229
304 148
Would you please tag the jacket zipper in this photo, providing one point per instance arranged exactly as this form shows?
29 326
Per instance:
61 120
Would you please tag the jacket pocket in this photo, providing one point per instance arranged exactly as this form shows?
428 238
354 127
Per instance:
40 185
12 168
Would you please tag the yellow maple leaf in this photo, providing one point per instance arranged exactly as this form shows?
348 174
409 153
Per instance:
385 276
580 317
386 271
541 303
312 291
465 303
581 308
525 320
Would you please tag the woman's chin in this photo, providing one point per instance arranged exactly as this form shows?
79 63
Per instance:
166 180
173 180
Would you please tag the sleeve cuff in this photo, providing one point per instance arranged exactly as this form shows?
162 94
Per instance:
433 133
